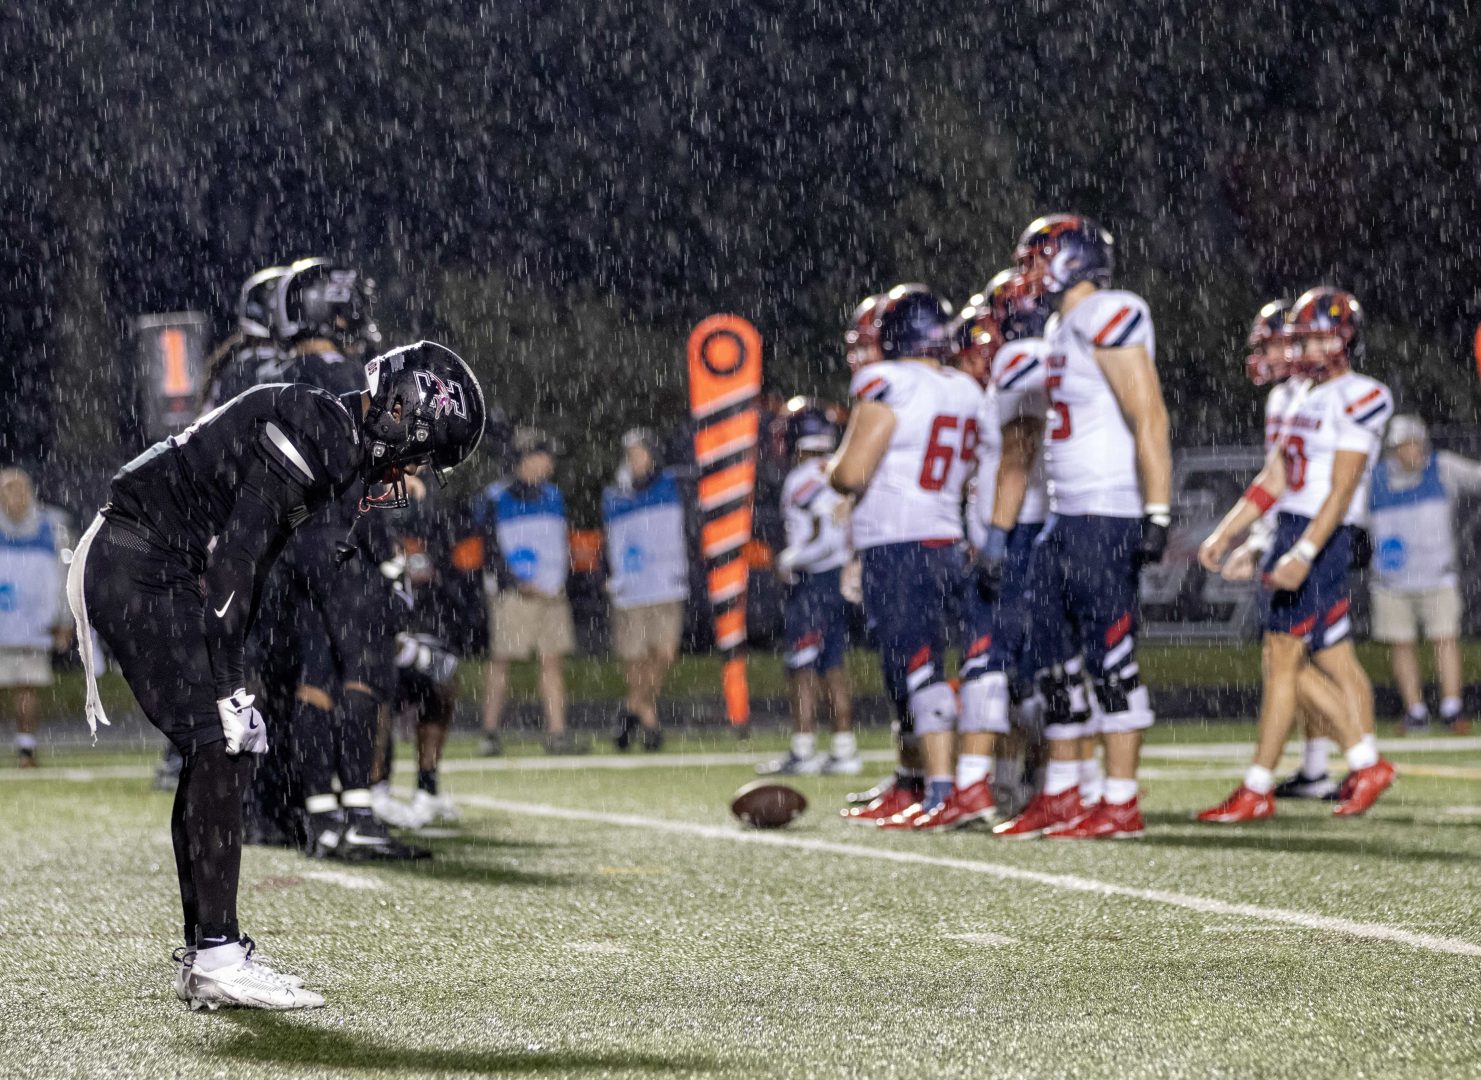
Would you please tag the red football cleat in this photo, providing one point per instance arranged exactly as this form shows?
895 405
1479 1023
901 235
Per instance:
904 819
892 802
1042 812
1243 805
1362 788
963 807
1105 821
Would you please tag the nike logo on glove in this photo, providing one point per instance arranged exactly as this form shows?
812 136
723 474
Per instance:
221 611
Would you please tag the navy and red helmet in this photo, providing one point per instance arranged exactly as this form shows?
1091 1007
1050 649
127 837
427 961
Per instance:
1062 250
912 321
1323 332
810 427
1266 365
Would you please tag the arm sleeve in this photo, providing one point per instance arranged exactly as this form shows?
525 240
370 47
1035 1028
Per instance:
245 550
1460 475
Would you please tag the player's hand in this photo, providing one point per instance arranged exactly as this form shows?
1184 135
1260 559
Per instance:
1289 573
245 730
786 565
851 582
1211 552
1155 524
1240 566
988 576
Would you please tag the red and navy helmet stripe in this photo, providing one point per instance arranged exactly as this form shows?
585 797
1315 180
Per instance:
1015 377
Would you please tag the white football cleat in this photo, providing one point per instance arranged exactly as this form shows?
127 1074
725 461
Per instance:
428 809
792 765
843 766
392 810
236 979
185 957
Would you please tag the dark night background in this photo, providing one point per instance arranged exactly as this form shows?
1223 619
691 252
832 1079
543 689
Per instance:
560 192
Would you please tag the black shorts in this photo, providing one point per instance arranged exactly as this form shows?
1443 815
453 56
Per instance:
149 608
345 615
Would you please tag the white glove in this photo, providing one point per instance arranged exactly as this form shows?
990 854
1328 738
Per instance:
851 582
243 725
786 565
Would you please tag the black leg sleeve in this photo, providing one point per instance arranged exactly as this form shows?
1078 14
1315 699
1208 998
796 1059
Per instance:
213 828
359 720
314 741
181 841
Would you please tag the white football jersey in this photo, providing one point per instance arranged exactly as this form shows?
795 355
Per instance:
815 517
982 484
916 493
1018 380
1345 413
1090 451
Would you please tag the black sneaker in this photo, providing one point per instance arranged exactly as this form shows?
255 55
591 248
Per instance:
653 739
492 745
1301 786
627 726
324 832
368 839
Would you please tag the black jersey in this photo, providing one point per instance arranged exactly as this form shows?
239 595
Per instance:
246 475
329 370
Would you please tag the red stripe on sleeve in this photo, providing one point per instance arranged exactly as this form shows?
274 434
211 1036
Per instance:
1105 331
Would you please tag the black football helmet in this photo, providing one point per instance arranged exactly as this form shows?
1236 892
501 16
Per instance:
426 408
320 298
255 307
913 321
1062 250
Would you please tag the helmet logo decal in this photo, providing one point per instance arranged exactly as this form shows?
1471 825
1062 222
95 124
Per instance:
444 395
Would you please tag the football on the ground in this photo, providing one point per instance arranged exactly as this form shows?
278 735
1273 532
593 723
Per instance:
764 805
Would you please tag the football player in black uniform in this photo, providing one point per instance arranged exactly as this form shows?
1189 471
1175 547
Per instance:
169 574
250 357
345 618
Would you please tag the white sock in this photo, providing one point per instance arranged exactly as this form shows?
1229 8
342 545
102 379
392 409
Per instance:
1361 755
24 740
1119 792
1449 708
1314 758
844 745
1419 712
972 769
1092 780
1259 779
1061 776
219 956
803 744
1371 742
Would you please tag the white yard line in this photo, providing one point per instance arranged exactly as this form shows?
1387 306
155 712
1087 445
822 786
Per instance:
345 880
1064 882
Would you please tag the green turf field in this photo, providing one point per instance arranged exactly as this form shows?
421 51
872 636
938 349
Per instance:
590 920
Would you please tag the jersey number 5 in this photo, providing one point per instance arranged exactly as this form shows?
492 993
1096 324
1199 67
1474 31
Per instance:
937 465
1061 428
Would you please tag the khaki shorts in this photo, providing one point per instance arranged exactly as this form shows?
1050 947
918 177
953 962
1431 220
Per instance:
522 627
1398 616
21 666
651 628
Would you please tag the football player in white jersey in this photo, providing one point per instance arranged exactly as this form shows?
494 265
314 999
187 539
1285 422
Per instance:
811 565
1267 365
910 445
1110 479
1331 423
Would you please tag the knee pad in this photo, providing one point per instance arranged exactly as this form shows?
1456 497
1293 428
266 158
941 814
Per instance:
933 708
1135 715
985 703
1065 707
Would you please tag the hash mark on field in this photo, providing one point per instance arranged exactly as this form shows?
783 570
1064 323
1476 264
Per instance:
358 882
1066 882
983 937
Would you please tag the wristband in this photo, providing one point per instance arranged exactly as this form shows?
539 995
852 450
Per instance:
1261 499
1305 550
1159 513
